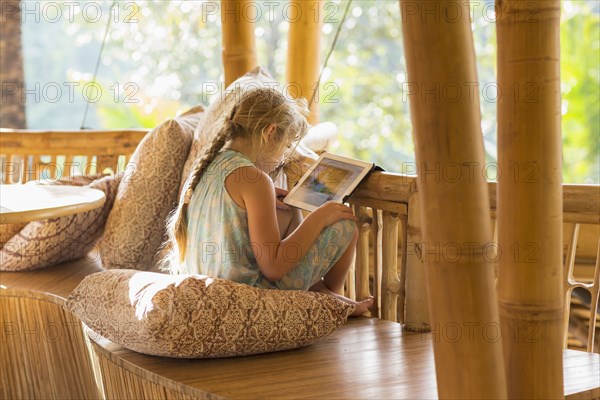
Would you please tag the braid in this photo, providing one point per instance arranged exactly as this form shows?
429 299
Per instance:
251 112
177 220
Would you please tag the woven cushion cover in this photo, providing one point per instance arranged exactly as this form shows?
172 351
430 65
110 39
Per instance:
193 316
148 192
40 244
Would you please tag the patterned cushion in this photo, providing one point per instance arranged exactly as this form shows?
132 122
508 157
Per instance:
43 243
221 106
193 316
136 225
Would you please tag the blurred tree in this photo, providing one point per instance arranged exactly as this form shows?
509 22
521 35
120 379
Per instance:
162 57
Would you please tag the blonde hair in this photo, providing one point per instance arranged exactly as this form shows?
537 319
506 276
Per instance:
253 111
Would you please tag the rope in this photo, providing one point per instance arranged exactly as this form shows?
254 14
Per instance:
335 39
87 103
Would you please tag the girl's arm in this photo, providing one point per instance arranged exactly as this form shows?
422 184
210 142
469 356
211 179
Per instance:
275 257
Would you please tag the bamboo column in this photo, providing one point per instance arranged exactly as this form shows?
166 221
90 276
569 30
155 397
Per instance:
530 197
239 47
455 210
304 51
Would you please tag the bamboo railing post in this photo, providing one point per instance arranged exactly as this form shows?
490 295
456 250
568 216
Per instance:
377 234
455 211
416 312
530 197
239 45
362 253
390 280
304 51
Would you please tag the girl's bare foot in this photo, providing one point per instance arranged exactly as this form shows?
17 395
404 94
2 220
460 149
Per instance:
360 307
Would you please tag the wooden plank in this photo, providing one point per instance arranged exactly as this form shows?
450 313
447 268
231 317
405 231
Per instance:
416 313
377 235
391 206
366 359
568 279
362 253
390 281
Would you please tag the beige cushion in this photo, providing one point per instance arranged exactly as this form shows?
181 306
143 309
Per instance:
136 225
39 244
193 316
221 106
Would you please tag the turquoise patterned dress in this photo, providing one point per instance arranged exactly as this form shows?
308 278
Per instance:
219 241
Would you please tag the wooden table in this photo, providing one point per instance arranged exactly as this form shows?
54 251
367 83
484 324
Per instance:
31 202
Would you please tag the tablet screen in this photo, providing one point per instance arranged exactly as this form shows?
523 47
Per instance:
330 180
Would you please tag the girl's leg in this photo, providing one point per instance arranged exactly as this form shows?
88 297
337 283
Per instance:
288 221
333 281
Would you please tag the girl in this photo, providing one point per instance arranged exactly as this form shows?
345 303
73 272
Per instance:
226 224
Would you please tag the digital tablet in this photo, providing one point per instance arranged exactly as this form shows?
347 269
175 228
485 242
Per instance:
330 178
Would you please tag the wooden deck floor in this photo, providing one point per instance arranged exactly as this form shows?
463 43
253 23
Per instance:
366 359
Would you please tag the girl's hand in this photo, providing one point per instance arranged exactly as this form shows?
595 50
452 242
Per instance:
280 194
330 212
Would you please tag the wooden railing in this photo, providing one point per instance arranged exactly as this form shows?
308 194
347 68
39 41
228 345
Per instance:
27 155
390 261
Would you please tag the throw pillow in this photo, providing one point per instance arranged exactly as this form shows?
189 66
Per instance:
148 192
39 244
194 316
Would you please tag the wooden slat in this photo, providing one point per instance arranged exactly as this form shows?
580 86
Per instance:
90 165
362 253
105 161
568 279
416 313
377 244
15 168
402 267
390 282
35 167
595 294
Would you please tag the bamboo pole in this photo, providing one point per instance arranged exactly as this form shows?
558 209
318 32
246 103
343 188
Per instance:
239 46
530 197
304 51
455 211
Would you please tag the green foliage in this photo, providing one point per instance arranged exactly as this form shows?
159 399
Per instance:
170 51
580 81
